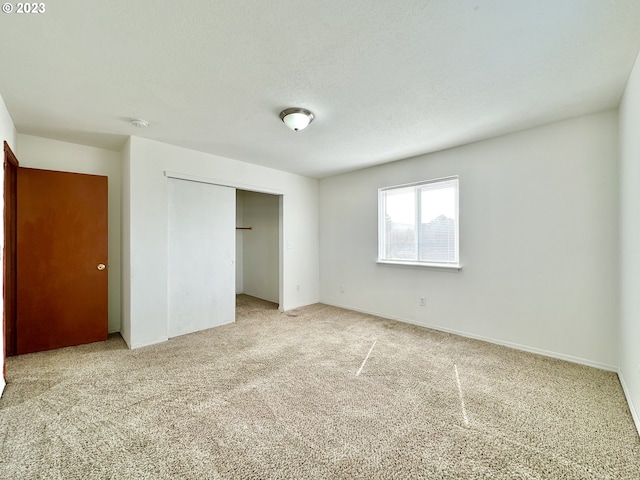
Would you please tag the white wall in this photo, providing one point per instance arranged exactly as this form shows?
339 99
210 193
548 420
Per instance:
7 134
38 152
145 204
7 129
539 236
629 358
239 242
125 243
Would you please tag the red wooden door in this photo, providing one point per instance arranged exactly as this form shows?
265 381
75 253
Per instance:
61 259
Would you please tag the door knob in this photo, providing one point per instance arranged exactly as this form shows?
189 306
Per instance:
101 266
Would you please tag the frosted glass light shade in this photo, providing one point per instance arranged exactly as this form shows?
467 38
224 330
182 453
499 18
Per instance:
296 118
296 121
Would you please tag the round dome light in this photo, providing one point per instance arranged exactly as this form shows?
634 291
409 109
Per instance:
296 118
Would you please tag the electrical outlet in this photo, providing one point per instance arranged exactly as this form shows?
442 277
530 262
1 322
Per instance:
423 302
298 288
341 288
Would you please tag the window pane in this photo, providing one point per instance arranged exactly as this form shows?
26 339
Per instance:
400 219
418 223
438 205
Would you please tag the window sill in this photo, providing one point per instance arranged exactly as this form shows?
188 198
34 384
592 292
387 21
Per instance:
435 266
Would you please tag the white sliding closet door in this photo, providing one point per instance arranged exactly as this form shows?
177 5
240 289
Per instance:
202 242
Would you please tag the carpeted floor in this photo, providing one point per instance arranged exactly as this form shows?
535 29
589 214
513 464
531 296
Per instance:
319 392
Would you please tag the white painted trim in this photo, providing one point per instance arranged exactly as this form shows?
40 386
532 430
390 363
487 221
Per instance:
436 266
222 183
517 346
632 409
422 182
204 329
166 339
288 309
2 385
148 343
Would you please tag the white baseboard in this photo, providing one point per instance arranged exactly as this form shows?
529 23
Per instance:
517 346
146 343
2 385
632 409
294 306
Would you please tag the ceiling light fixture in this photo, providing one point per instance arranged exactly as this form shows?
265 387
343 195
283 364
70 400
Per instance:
138 122
296 118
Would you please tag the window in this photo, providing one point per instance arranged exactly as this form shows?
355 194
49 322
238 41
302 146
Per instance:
418 223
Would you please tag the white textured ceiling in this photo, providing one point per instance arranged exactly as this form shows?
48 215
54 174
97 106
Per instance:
386 79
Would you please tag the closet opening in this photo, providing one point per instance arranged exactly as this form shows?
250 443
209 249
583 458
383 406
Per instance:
258 246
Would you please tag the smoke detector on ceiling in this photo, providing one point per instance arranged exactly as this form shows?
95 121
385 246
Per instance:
138 122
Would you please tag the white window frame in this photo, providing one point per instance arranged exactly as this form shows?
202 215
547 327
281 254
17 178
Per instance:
455 264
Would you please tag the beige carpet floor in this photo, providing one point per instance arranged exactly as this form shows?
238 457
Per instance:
290 396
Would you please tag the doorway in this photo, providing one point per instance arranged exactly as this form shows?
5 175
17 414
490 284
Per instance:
9 267
61 258
258 245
